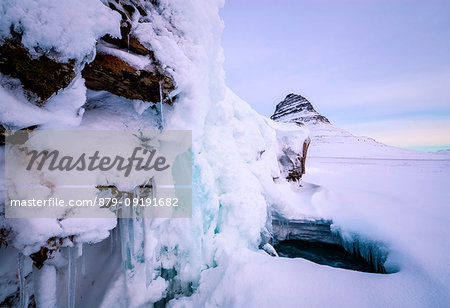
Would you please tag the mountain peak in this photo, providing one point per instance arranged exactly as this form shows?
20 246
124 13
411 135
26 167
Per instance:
295 108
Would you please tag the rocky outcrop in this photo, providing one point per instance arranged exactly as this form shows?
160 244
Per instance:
40 76
112 74
297 109
293 161
127 40
43 76
306 144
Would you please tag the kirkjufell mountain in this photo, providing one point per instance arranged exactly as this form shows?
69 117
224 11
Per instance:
295 108
329 140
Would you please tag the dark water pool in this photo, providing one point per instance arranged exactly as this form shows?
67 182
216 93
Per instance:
326 254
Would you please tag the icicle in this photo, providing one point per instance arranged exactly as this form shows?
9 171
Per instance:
111 240
21 274
373 252
161 104
125 238
128 42
147 254
130 252
72 276
83 260
130 226
116 234
123 241
287 230
44 282
139 236
148 245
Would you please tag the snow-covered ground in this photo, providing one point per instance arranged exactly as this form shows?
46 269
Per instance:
401 202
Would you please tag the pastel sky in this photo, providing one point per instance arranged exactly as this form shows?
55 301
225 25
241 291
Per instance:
378 68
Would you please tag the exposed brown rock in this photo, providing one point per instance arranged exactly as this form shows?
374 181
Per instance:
306 144
294 163
46 252
114 75
294 176
129 42
41 76
39 257
109 73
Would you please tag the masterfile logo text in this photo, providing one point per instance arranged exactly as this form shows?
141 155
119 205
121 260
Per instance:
80 173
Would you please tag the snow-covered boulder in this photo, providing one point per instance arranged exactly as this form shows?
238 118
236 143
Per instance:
293 143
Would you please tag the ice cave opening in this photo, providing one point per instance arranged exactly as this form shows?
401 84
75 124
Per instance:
316 241
333 255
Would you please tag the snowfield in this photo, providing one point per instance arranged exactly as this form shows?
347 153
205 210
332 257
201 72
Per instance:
401 202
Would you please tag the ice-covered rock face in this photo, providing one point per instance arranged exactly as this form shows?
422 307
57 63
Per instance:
125 65
41 76
47 47
235 150
293 147
45 44
296 109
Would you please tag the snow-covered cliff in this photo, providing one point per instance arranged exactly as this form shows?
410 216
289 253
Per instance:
134 65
